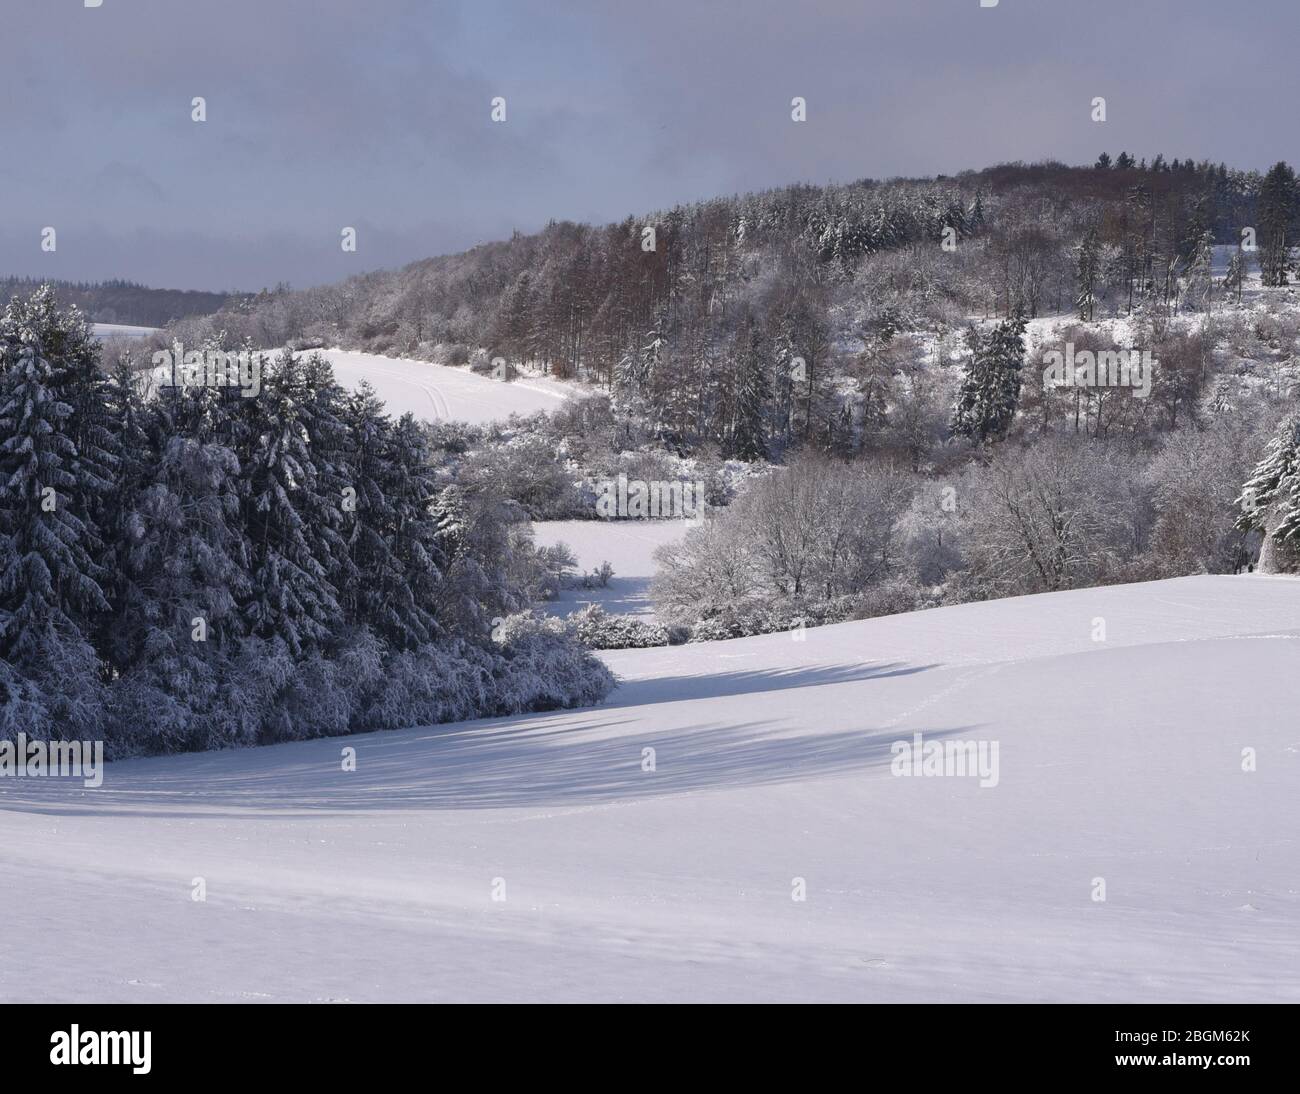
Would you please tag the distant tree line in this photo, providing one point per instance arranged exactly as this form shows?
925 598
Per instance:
121 301
750 325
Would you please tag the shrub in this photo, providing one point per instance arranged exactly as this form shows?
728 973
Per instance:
598 630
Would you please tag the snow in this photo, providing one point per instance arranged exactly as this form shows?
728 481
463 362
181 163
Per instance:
1118 760
441 392
121 330
627 545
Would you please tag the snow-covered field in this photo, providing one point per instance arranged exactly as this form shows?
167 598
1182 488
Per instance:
1119 760
627 545
121 330
442 393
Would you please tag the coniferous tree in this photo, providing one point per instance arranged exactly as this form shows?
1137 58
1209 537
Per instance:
1277 212
75 381
390 530
1270 500
216 618
1235 275
1200 278
321 405
131 418
750 395
990 390
50 591
1087 269
185 560
415 534
291 598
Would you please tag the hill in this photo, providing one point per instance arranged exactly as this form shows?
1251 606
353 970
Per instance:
1119 760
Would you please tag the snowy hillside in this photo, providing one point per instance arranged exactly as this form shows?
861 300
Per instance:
440 392
120 330
1118 760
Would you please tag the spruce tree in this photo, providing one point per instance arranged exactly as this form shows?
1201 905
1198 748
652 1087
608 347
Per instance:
1235 276
751 394
990 391
291 598
1087 269
138 458
50 591
63 340
178 627
390 531
1277 211
1270 500
415 532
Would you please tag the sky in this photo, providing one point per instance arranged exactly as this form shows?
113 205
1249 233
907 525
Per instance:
377 114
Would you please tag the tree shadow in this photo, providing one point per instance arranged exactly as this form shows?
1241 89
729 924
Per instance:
714 685
561 759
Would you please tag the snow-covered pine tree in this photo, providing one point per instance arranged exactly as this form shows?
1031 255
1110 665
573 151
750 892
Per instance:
990 391
291 598
1277 214
750 394
1270 501
63 340
177 630
50 592
411 491
1087 270
137 460
1235 275
383 595
636 372
1199 292
321 405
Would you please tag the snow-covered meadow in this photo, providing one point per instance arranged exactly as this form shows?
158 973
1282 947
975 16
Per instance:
627 545
121 330
443 393
1120 762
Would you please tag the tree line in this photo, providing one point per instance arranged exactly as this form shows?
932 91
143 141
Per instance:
194 568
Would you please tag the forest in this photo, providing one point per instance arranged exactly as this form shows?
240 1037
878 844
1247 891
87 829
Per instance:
189 568
118 301
851 372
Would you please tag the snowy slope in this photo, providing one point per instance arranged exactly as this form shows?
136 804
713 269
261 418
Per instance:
627 545
1118 760
121 330
440 392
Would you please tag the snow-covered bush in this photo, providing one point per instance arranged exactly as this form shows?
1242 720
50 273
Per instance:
546 667
598 630
525 469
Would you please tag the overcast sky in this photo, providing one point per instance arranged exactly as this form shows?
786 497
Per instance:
375 114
